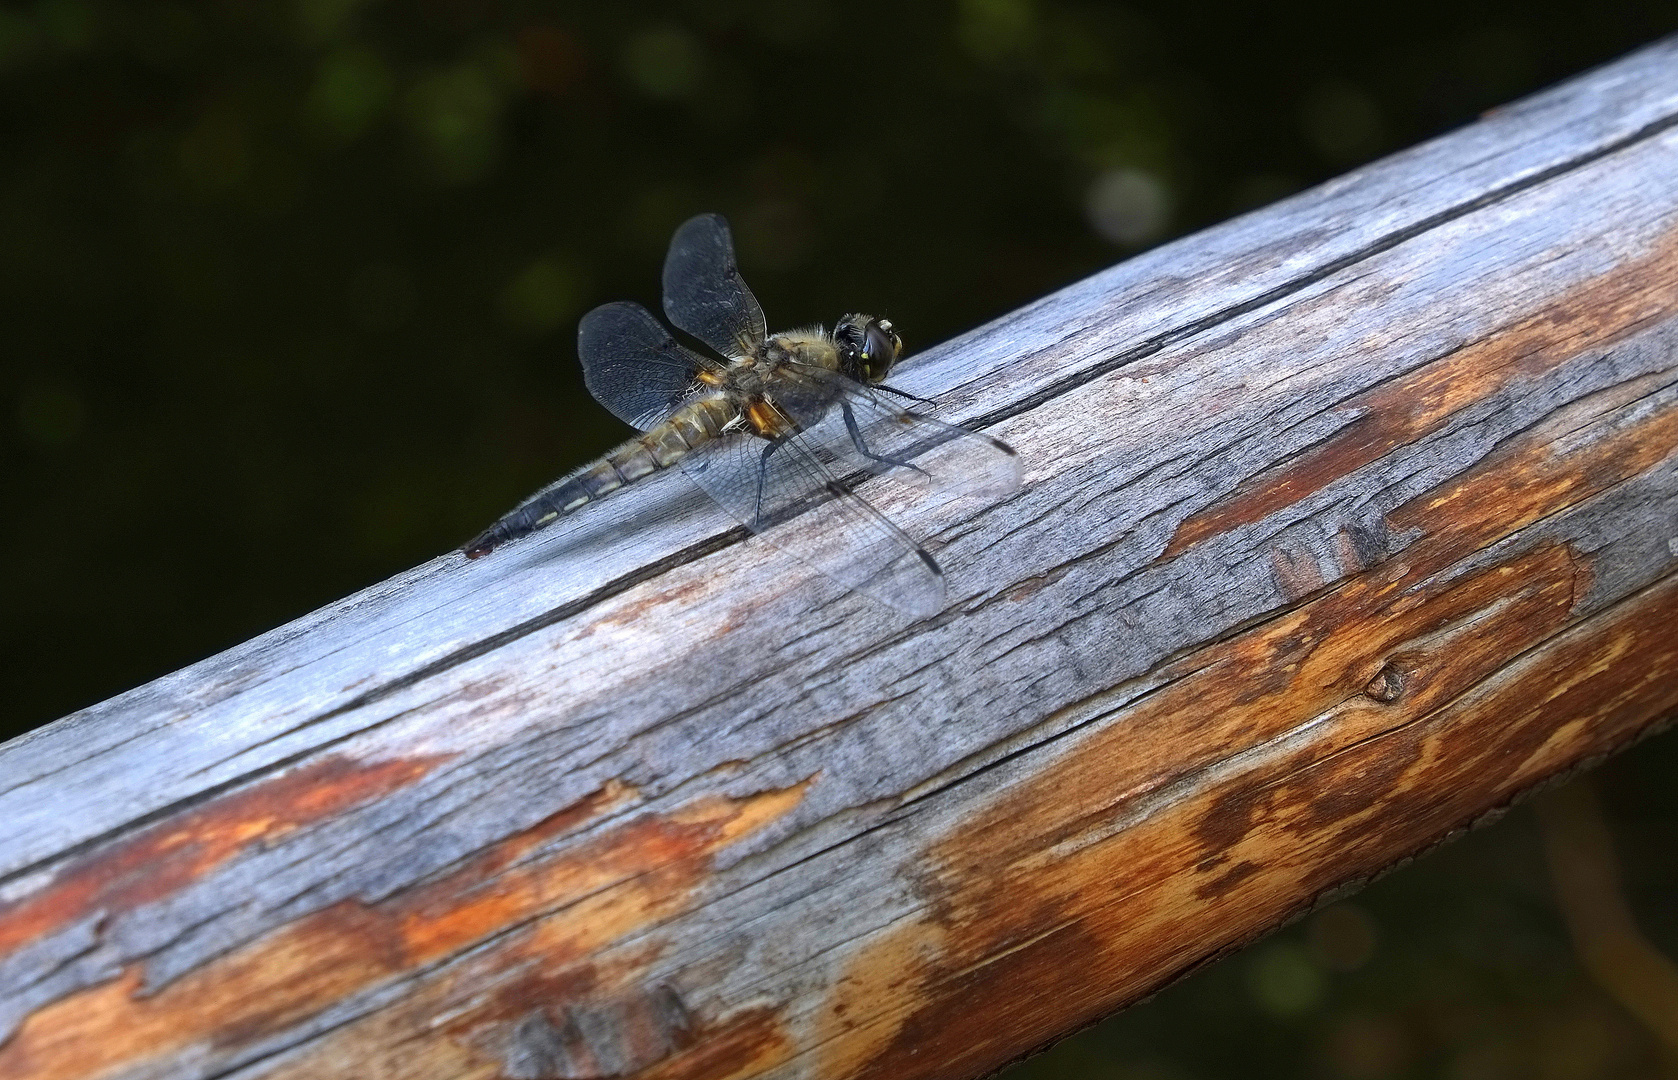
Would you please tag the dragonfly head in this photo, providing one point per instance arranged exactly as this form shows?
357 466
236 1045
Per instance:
868 347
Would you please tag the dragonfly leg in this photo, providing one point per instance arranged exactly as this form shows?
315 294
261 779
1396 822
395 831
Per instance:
862 447
904 394
763 475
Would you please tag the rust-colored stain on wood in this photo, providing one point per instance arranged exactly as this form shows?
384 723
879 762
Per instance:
1528 480
570 905
745 1045
1366 723
479 1023
158 861
1055 901
583 1038
500 1012
1397 413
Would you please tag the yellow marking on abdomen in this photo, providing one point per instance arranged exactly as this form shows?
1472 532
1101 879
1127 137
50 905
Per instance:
766 420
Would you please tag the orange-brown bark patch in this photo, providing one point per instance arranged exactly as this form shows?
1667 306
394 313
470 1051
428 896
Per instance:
1528 480
633 613
1304 663
460 1024
572 903
1061 901
162 859
746 1044
1397 413
1296 572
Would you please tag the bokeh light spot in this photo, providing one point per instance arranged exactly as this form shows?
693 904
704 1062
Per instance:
664 62
993 30
327 20
1368 1048
1283 981
1128 206
350 92
550 59
544 296
455 113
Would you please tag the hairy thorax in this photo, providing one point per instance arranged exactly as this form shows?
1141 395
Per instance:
757 382
755 373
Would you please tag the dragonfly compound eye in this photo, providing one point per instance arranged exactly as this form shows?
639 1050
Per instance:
880 347
867 347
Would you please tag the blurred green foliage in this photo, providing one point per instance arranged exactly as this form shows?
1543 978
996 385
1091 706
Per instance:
288 291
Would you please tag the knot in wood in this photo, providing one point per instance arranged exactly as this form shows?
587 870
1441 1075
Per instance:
1387 684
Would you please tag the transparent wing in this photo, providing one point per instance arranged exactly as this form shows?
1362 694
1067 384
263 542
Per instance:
924 463
763 484
849 436
633 366
703 291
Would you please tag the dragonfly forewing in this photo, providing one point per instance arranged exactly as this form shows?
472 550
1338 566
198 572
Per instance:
704 293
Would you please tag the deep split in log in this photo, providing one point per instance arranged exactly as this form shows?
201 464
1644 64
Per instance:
1345 523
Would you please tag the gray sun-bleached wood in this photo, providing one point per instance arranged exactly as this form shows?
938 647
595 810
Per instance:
651 655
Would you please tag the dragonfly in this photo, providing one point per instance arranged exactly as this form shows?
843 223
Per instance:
772 427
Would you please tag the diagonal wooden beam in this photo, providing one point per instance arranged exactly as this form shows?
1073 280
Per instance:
1345 523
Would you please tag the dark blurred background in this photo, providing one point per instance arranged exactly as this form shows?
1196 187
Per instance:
288 295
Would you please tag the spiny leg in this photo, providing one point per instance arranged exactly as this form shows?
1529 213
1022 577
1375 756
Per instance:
763 475
904 394
862 447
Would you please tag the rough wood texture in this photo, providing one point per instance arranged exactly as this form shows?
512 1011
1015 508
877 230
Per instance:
1344 523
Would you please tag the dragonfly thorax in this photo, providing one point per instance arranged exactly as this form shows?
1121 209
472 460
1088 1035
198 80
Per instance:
773 385
806 348
765 368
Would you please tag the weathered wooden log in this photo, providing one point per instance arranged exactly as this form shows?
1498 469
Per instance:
1344 523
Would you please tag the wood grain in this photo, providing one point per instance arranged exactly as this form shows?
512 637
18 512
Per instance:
1344 524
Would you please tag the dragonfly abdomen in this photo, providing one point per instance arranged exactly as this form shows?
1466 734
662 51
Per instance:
656 448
